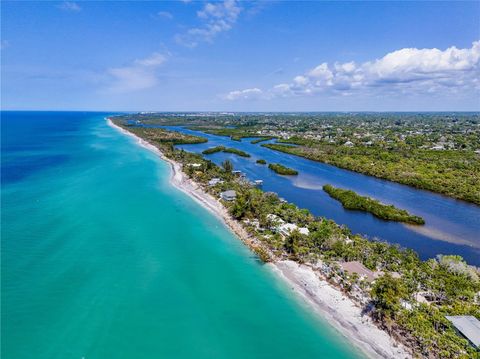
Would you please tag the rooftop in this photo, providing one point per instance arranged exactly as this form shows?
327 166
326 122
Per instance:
230 192
359 268
468 326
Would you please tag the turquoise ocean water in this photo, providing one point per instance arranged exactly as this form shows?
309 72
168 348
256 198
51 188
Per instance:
103 258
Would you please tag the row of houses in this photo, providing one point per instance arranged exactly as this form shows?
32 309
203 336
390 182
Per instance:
466 326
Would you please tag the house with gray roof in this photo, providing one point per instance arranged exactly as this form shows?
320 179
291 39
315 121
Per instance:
468 326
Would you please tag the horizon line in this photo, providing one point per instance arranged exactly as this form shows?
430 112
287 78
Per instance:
232 111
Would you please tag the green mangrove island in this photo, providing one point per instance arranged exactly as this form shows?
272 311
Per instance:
352 200
209 151
261 139
282 170
261 162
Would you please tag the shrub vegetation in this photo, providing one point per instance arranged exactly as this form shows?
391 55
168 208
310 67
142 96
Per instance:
352 200
282 170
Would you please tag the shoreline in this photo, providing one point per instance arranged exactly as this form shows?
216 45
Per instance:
325 299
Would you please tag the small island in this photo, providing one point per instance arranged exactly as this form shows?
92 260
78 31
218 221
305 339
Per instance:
352 200
261 139
236 152
216 149
282 170
261 162
211 150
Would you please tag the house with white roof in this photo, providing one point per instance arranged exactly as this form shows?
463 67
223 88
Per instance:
275 221
214 182
287 228
195 165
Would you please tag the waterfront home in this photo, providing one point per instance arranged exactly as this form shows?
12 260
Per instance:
395 275
229 195
287 228
258 182
195 165
468 326
254 223
358 268
238 173
275 221
304 231
215 181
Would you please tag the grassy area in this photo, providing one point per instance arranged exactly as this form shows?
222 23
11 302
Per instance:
352 200
282 170
216 149
453 173
261 162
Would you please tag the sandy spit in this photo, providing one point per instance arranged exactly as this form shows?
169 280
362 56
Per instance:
325 299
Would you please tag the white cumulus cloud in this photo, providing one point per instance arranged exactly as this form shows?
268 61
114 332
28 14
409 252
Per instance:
216 18
247 94
406 70
70 6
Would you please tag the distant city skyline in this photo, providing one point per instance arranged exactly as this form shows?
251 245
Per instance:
240 56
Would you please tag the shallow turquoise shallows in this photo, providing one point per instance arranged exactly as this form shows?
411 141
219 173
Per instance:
103 258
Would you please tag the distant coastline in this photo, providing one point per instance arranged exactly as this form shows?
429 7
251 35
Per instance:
305 281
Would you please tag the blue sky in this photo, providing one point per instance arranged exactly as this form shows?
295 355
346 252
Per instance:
240 56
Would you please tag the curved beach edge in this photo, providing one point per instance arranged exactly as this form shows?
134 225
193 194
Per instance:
326 300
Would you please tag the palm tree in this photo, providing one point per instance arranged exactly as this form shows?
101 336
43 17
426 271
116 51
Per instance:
227 166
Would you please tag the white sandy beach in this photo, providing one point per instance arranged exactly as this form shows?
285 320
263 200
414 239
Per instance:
325 299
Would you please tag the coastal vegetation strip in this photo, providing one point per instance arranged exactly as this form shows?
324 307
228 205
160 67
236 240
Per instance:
216 149
352 200
235 134
282 170
159 135
406 296
453 173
